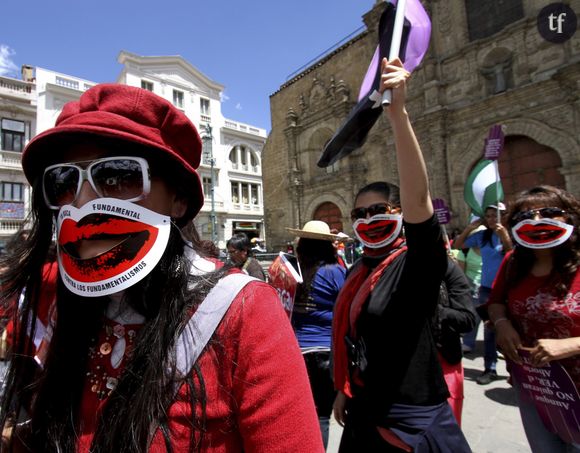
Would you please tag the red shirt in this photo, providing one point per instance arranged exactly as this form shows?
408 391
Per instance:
258 398
537 312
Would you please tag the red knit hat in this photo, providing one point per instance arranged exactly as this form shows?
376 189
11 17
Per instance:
126 113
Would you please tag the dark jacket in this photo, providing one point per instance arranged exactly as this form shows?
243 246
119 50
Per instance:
455 314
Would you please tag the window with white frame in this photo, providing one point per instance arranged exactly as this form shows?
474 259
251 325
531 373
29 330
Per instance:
204 107
207 186
245 193
146 85
11 191
235 193
178 99
243 158
13 135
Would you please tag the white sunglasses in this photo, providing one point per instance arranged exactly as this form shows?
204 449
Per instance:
123 177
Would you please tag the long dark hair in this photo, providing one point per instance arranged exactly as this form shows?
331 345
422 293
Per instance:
312 253
52 395
566 255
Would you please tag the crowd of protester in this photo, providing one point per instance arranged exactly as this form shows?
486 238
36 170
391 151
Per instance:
133 335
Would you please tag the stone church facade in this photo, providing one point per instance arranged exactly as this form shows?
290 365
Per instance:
487 64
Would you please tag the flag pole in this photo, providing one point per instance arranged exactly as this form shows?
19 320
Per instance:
395 43
497 190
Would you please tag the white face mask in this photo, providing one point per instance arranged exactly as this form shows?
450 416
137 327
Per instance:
542 233
379 230
136 238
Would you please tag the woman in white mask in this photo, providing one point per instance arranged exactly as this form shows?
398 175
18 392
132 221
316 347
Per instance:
140 343
534 300
391 391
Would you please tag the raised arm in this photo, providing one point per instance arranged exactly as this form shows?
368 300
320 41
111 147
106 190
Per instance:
415 197
459 242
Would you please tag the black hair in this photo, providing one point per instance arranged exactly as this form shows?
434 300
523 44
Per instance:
389 191
240 241
312 254
51 396
566 255
486 237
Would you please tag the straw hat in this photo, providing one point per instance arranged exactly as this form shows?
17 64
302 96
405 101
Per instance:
316 229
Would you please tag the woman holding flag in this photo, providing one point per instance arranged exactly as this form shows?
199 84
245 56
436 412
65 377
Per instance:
493 242
391 391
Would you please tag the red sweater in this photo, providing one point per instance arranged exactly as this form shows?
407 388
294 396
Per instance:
537 312
258 398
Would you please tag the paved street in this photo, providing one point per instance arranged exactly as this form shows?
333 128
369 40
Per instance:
491 420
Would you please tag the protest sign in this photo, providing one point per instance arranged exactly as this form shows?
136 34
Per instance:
441 211
285 276
554 395
494 143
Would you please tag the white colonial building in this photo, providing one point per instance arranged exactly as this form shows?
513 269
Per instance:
231 169
17 126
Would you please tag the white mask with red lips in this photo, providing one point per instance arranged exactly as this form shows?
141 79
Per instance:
379 230
541 233
138 236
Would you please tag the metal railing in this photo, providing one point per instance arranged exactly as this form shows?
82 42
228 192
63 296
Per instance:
16 86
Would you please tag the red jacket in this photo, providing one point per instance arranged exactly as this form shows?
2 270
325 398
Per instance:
258 398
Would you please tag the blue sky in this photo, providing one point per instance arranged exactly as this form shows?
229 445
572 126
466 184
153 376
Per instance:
248 46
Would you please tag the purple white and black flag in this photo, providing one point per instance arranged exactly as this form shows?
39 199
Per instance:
414 43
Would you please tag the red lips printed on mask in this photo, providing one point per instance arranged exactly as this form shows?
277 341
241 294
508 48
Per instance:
376 231
540 233
136 240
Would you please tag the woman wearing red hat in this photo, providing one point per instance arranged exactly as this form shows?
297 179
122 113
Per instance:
144 345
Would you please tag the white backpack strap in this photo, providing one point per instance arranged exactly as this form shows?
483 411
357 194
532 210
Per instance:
205 320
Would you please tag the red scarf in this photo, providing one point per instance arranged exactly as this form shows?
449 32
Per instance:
349 305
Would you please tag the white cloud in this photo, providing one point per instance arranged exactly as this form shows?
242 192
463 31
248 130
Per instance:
7 66
238 106
224 97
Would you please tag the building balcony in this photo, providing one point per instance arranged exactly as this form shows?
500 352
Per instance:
245 128
248 208
219 205
17 88
10 227
255 169
10 160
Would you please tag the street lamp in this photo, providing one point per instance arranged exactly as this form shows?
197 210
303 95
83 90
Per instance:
208 156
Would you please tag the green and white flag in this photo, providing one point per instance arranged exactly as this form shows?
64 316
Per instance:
483 187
